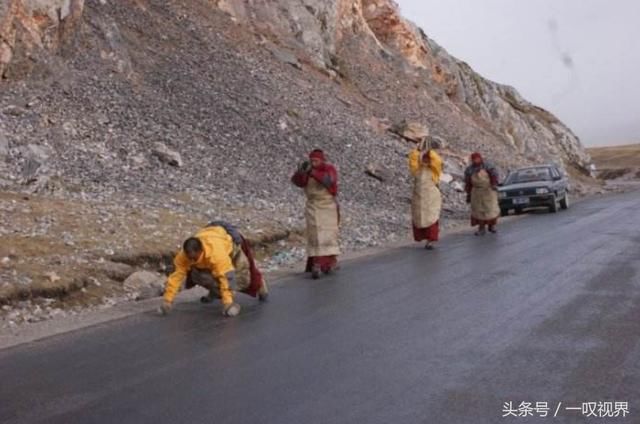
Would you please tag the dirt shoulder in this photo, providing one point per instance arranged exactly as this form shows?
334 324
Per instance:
60 256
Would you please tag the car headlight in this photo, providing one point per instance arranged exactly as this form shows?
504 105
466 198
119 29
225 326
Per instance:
542 190
502 194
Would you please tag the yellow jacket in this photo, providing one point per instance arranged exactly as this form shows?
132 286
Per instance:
216 258
435 163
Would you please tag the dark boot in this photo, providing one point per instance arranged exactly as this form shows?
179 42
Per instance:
263 293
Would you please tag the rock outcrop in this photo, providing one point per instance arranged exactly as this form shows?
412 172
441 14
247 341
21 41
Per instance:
320 27
320 30
31 29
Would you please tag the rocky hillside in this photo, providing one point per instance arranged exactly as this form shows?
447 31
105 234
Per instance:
392 62
180 111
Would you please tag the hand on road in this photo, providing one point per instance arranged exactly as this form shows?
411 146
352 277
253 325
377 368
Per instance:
165 308
231 310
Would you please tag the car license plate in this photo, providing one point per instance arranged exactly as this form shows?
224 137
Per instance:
521 201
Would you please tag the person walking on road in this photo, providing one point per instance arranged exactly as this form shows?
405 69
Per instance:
217 258
425 166
319 179
481 185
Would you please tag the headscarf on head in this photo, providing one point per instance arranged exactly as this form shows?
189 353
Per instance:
473 168
317 154
325 174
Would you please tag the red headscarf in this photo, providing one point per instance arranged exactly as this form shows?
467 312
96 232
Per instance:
325 174
317 154
473 168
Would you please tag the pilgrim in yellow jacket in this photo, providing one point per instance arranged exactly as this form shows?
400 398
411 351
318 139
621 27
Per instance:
216 258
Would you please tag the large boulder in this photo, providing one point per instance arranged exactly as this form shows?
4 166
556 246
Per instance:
144 285
379 172
166 155
412 131
35 159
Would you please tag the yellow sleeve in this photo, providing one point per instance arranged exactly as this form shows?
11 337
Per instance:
220 263
222 270
175 280
435 163
414 162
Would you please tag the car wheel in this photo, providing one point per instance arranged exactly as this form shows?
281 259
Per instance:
553 206
564 203
519 211
504 212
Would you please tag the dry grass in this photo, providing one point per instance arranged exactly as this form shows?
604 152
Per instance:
61 249
616 157
80 252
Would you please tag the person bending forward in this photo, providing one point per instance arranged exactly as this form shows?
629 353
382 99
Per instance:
217 258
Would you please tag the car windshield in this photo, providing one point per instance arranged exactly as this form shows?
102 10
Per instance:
529 175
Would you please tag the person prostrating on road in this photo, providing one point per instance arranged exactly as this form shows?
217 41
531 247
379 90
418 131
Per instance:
425 166
481 185
217 258
320 182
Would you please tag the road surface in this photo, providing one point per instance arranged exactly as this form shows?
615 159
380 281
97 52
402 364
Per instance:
546 311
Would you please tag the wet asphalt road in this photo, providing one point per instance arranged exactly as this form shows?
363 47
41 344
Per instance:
546 311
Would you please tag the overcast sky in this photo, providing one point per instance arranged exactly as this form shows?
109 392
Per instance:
580 59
